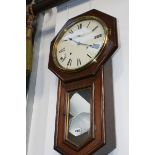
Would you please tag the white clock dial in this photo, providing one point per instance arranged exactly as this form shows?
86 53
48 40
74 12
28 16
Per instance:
80 44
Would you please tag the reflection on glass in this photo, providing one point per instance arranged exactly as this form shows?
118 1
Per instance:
78 117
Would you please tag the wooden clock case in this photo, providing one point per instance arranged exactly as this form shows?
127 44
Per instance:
99 80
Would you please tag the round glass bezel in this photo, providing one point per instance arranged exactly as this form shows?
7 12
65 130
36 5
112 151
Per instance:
64 30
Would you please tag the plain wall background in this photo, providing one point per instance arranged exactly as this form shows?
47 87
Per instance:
43 105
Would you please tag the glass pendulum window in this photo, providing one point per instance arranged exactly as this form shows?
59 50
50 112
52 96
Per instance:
78 120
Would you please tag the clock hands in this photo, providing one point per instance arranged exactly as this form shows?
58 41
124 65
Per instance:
96 46
74 41
85 44
78 43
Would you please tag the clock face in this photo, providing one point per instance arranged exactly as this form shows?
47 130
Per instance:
80 43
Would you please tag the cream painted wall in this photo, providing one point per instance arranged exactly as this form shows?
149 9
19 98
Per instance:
41 125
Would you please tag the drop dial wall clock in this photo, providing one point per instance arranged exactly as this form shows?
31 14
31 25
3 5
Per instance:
77 56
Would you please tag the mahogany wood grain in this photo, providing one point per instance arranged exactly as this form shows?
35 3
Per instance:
98 76
98 140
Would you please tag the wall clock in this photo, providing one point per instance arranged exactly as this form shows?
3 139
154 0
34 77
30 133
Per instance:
77 56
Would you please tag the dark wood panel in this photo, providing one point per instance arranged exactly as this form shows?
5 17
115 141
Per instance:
109 111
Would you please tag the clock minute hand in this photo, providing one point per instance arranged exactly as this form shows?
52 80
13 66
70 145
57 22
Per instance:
85 44
74 40
96 46
79 43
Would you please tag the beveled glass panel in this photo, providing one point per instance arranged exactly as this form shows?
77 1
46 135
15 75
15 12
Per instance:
78 122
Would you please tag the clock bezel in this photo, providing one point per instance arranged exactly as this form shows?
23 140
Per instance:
63 31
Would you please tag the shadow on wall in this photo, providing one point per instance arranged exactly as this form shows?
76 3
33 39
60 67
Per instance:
71 4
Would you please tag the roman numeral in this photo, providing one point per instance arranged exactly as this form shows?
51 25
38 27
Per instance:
62 50
78 62
69 62
63 58
97 36
71 31
88 24
79 26
95 28
89 56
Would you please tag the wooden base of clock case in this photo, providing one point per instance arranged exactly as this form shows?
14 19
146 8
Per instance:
102 140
